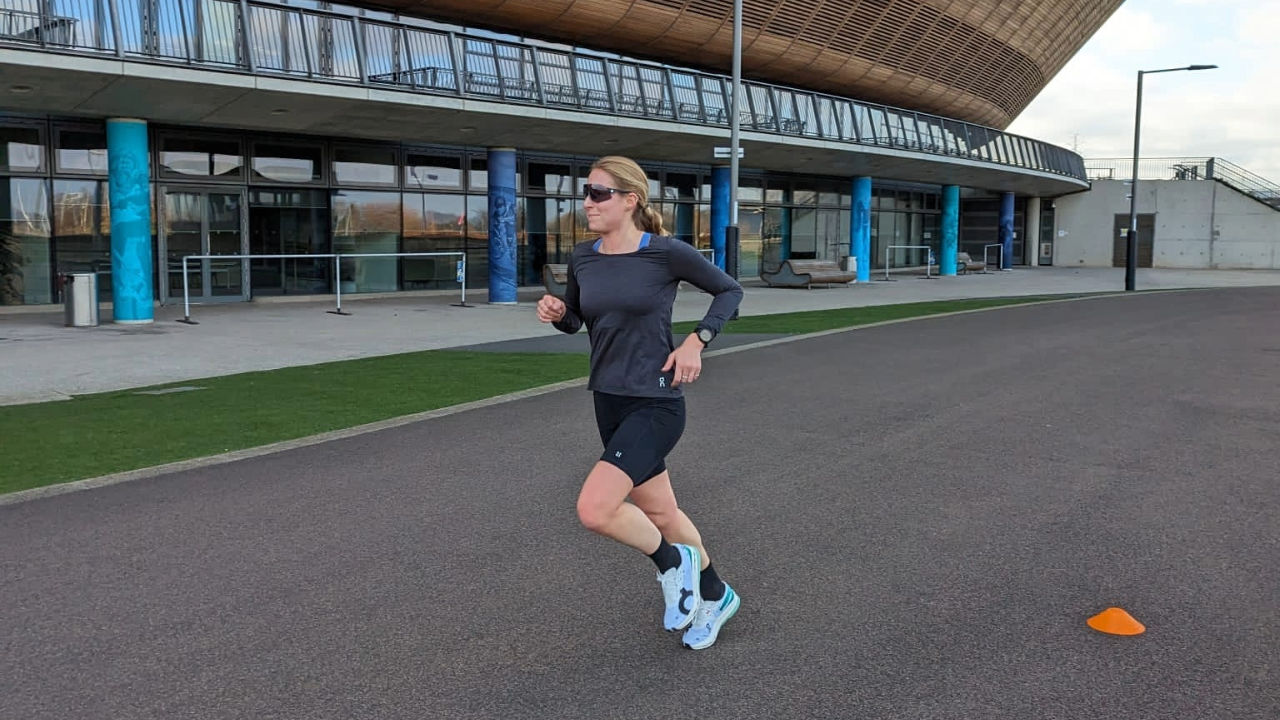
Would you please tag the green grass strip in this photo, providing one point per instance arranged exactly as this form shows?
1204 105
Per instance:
799 323
104 433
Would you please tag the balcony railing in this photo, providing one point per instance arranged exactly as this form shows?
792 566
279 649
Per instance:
337 45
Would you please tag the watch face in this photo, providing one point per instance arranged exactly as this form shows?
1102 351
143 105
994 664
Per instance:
704 335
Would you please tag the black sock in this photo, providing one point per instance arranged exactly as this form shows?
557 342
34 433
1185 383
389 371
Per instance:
712 587
666 556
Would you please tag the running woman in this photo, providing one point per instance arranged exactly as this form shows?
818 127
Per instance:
622 287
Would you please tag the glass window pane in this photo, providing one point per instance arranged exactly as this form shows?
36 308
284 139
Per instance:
200 157
364 166
478 240
804 234
82 230
433 171
433 223
367 222
805 192
478 178
549 238
680 186
23 148
751 219
82 151
678 220
287 162
26 270
289 222
551 178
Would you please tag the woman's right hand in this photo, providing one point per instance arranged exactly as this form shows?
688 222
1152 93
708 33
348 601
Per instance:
550 309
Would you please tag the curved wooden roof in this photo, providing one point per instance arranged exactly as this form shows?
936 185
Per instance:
976 60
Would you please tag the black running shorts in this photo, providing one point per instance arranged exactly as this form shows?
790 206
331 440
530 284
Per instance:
639 432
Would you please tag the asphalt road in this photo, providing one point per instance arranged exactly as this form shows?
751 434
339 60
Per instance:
919 518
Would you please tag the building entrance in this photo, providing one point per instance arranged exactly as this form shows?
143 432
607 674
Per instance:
203 221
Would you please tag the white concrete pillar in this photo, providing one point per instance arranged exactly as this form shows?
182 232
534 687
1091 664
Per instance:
1031 243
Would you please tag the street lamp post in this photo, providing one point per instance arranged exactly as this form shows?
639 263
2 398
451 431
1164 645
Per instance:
1131 256
732 239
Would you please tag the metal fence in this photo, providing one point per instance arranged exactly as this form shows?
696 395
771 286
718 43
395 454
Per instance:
338 45
1150 168
1211 168
337 258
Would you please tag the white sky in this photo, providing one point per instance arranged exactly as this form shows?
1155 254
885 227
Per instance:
1232 112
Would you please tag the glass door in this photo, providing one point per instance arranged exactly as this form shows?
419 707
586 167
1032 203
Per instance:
204 222
832 237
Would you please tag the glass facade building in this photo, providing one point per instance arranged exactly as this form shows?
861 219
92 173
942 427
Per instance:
245 193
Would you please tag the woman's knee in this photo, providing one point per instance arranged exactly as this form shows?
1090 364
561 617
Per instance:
593 514
602 494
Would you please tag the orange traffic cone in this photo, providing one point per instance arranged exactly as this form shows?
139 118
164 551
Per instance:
1116 622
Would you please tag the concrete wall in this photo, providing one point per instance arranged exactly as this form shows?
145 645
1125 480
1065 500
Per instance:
1247 233
1198 224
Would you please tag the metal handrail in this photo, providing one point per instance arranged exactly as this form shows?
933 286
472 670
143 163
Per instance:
268 38
461 274
1211 168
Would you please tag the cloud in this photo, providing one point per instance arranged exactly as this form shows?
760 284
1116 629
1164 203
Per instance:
1132 31
1228 112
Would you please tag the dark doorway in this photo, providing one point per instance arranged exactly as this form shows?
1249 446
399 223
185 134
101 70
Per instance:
980 229
289 222
1146 240
1047 219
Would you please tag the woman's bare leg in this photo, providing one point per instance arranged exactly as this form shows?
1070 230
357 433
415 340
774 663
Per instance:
657 500
603 509
719 601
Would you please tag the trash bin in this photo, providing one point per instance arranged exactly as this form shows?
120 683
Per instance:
80 294
851 263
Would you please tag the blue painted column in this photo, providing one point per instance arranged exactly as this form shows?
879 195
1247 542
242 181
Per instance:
1006 230
950 230
129 190
721 188
502 226
860 228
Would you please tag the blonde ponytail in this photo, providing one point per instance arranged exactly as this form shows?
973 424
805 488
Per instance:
648 220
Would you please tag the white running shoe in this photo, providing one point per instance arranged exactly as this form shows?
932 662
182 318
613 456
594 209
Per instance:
711 616
680 589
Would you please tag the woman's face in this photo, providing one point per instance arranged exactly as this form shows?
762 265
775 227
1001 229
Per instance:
609 212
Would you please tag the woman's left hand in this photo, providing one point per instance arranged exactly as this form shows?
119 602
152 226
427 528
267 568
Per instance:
687 360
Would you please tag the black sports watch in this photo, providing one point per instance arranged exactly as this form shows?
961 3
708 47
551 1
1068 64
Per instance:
705 334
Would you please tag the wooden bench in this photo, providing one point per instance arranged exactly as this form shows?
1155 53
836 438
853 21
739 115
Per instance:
965 264
807 273
555 277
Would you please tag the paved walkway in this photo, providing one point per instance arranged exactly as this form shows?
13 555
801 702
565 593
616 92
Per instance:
923 542
43 360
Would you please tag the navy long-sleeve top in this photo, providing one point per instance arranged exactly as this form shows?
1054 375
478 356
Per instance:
625 300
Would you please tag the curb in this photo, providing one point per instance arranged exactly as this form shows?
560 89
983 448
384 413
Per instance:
211 460
21 496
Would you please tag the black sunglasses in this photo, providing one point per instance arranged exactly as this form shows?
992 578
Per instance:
599 193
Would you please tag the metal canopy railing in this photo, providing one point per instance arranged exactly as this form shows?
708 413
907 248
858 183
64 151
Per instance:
338 45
